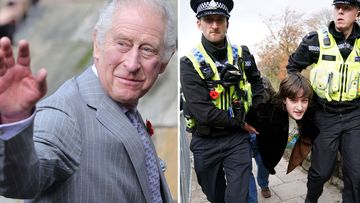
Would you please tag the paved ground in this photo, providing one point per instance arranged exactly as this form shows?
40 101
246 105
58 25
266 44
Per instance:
289 188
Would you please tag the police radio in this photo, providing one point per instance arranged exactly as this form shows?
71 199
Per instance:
206 70
326 39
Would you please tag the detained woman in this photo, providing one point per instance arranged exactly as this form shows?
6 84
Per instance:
270 121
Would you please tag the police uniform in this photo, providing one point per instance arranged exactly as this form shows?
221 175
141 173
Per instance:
335 78
219 144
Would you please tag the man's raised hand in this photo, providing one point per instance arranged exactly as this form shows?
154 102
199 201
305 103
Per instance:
19 88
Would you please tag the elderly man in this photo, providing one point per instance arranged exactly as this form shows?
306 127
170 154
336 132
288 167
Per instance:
215 78
87 141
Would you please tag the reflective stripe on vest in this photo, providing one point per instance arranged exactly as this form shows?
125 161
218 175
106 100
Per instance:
332 78
225 98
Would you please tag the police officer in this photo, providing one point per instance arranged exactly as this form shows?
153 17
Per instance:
215 77
335 78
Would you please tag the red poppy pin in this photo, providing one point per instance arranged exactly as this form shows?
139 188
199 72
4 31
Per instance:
214 94
149 128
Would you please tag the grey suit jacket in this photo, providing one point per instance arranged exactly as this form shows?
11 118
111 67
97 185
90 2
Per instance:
80 148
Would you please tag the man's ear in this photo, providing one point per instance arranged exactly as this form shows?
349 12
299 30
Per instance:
198 23
95 45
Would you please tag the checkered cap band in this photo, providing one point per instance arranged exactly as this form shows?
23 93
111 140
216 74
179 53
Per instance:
212 5
353 2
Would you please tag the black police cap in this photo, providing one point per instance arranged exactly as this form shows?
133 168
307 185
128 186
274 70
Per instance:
352 2
212 7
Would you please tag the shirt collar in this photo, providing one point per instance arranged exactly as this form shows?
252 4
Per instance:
93 68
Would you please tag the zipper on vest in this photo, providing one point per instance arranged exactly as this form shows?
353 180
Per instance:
222 99
342 69
225 99
346 77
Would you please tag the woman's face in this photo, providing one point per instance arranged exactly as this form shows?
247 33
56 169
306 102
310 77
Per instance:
296 107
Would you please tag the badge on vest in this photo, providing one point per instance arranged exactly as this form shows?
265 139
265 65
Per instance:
357 58
328 57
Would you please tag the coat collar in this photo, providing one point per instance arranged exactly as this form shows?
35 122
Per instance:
355 33
216 54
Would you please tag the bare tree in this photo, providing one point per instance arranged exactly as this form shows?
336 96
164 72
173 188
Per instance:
319 20
286 32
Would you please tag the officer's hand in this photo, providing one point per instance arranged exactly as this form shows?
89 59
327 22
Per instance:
19 89
250 129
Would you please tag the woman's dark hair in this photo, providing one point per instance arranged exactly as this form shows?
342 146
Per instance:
292 85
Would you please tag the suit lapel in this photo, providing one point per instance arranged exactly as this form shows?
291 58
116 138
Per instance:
112 118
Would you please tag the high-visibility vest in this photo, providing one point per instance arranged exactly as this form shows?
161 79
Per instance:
224 97
332 78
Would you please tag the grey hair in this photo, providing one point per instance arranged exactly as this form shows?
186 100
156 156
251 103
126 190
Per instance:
105 19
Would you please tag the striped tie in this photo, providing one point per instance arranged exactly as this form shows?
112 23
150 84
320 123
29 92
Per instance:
150 159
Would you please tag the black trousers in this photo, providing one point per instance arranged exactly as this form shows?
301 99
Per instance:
222 166
338 132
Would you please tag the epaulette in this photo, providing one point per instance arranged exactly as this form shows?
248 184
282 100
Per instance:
185 59
310 35
245 48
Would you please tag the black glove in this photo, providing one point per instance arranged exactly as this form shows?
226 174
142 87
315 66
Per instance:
239 111
230 75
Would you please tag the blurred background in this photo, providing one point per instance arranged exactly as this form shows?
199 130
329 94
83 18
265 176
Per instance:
60 37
